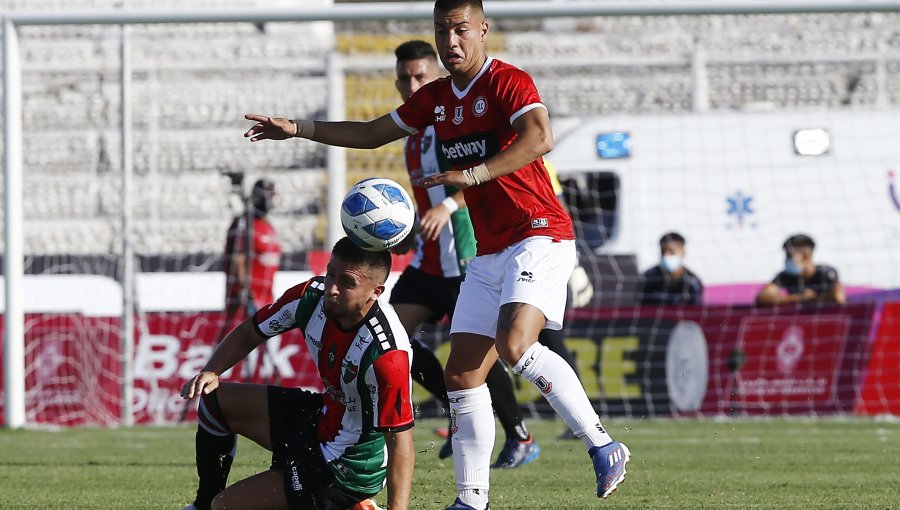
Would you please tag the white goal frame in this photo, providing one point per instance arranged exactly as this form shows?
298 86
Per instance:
13 260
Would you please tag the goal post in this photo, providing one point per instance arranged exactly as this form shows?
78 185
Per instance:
13 269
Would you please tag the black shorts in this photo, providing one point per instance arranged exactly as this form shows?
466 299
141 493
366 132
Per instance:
438 293
308 482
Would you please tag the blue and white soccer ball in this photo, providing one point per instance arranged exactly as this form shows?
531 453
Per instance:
377 214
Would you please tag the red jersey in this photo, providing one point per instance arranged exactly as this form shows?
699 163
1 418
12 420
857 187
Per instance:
265 255
473 125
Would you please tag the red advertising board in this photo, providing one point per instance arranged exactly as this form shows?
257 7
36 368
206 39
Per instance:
789 361
880 391
72 366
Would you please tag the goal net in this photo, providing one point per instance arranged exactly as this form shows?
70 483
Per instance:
735 131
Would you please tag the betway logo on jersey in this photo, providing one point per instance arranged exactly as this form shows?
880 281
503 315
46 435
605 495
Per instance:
470 149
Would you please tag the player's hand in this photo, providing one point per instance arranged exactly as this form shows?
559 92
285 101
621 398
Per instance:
453 178
433 221
808 295
204 382
269 128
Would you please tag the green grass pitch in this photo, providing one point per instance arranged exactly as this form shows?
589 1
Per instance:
789 464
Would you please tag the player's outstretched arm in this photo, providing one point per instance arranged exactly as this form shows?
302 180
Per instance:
233 348
401 459
355 135
535 138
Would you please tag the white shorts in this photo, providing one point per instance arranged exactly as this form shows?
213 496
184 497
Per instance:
534 271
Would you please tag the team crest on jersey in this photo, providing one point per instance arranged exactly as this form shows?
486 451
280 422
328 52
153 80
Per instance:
332 355
440 114
350 371
426 143
458 115
480 106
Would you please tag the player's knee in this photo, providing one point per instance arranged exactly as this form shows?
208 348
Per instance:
512 348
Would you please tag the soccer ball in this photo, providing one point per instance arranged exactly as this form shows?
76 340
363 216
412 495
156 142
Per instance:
377 214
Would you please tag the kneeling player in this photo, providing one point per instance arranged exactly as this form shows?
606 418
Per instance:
328 450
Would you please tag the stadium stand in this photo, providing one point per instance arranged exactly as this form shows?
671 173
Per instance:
192 83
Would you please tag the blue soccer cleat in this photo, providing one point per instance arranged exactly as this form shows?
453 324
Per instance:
517 453
459 505
609 464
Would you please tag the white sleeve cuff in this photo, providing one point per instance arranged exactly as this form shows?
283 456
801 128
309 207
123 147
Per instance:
525 109
409 129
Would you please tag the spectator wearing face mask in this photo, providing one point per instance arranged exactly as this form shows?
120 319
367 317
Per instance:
802 280
670 282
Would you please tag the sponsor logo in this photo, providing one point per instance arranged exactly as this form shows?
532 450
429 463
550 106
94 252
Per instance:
469 150
440 114
544 385
295 480
455 400
460 149
480 106
314 341
740 207
527 277
790 349
283 322
457 115
350 371
359 343
540 223
333 392
893 191
518 371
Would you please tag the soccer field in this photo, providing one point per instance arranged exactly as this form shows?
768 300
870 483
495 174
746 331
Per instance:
828 463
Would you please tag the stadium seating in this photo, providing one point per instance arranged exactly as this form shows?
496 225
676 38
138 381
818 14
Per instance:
192 83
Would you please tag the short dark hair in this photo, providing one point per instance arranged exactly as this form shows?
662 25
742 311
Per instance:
799 241
671 237
414 50
449 5
263 187
350 253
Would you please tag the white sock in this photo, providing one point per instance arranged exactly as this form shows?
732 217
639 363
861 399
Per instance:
472 426
560 386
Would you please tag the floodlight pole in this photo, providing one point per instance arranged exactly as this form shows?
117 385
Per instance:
13 257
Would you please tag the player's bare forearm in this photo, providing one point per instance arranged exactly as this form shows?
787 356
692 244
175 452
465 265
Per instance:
535 138
234 347
355 135
401 460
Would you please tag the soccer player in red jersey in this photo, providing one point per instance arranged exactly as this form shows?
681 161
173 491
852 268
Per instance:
493 130
427 289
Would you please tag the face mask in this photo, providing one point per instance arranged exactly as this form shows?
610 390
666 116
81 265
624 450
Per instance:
671 263
791 267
